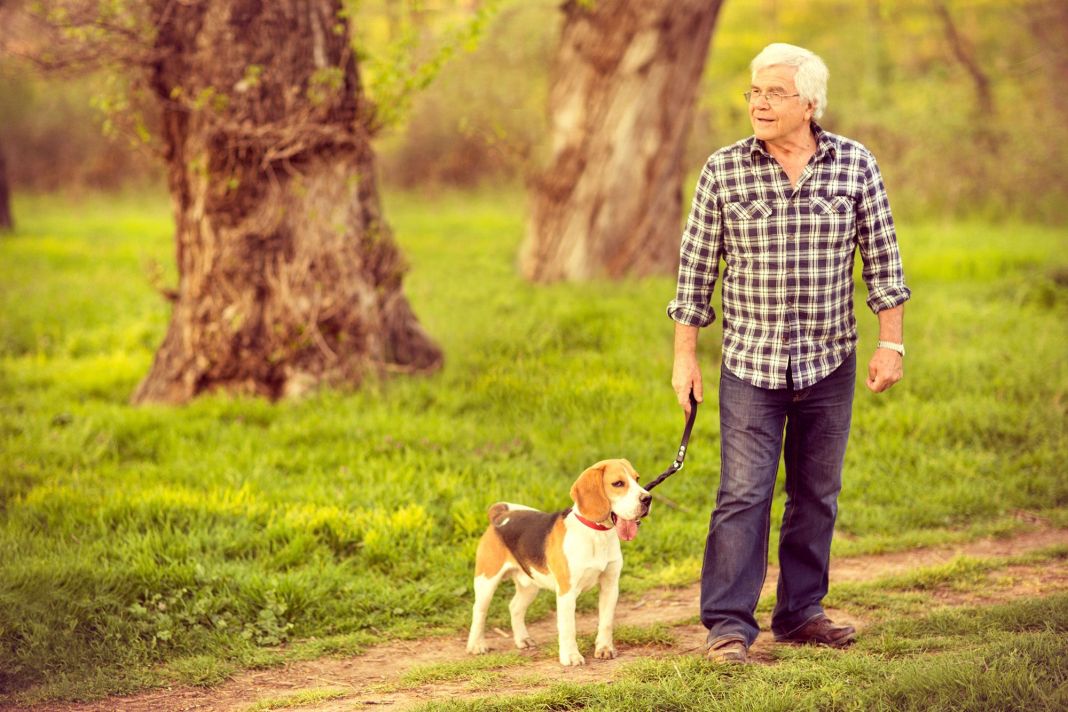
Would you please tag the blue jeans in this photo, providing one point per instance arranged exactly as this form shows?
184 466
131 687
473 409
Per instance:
752 420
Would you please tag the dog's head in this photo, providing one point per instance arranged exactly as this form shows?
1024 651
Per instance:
610 490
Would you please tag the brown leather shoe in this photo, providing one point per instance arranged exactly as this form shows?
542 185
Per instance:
728 650
821 631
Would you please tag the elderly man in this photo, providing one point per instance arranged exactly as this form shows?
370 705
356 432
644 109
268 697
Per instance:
785 209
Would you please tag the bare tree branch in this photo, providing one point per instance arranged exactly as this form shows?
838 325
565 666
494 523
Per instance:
964 51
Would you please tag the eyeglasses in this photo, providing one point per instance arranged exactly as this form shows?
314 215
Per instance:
774 97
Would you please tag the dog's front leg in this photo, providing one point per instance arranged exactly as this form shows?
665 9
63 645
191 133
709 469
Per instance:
565 624
605 648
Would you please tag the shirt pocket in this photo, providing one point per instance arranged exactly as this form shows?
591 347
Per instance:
747 224
833 221
834 205
745 210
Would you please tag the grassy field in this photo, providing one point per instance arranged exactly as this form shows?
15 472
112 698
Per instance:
141 546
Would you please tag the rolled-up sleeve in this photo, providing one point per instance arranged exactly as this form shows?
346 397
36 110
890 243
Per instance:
699 254
877 240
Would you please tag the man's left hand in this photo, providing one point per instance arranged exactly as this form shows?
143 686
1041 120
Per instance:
884 370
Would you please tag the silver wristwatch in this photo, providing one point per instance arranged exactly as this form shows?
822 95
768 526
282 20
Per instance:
900 348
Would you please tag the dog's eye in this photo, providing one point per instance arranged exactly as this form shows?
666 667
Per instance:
617 483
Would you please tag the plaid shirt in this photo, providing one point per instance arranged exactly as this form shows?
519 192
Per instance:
788 280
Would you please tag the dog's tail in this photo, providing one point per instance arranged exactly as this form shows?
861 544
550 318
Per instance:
496 511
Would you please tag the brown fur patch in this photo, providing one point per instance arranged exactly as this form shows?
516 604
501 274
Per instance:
617 471
588 493
492 554
554 552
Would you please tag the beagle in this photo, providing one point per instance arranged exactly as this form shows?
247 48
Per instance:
567 552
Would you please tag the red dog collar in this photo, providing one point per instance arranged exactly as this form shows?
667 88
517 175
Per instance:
591 525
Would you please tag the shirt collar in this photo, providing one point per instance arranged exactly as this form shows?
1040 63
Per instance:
825 145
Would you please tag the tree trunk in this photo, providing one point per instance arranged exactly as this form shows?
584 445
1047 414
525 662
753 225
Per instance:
7 222
288 273
622 102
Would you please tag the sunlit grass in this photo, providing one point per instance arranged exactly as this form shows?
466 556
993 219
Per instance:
149 545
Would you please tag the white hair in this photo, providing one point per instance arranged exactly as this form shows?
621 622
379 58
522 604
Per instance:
811 77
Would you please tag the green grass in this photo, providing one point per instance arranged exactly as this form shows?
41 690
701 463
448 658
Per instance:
156 545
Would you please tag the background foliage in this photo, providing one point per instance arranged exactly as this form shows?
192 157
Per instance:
897 85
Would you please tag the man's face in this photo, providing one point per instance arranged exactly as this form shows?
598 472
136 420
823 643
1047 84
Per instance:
790 119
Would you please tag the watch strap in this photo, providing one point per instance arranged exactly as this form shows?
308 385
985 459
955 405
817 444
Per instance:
900 348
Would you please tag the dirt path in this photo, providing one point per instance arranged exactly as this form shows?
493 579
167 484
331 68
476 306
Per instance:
373 679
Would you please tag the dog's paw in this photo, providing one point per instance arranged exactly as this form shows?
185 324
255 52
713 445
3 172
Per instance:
477 647
605 652
526 642
570 659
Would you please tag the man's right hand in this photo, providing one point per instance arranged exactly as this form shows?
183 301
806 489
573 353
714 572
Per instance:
686 377
685 373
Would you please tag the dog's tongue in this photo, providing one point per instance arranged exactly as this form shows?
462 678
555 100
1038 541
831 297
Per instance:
626 528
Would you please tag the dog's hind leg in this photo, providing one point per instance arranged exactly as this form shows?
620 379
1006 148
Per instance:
484 588
525 592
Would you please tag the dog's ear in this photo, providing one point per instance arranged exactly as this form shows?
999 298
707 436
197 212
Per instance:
588 493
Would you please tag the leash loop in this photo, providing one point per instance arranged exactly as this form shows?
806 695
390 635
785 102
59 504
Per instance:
677 465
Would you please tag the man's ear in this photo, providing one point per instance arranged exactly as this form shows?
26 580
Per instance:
588 493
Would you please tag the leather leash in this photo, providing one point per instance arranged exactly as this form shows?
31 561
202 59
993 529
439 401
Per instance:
677 465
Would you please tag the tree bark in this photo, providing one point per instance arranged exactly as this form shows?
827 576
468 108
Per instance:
622 102
288 273
7 222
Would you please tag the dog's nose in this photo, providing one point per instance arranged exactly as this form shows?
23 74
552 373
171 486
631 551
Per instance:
645 498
